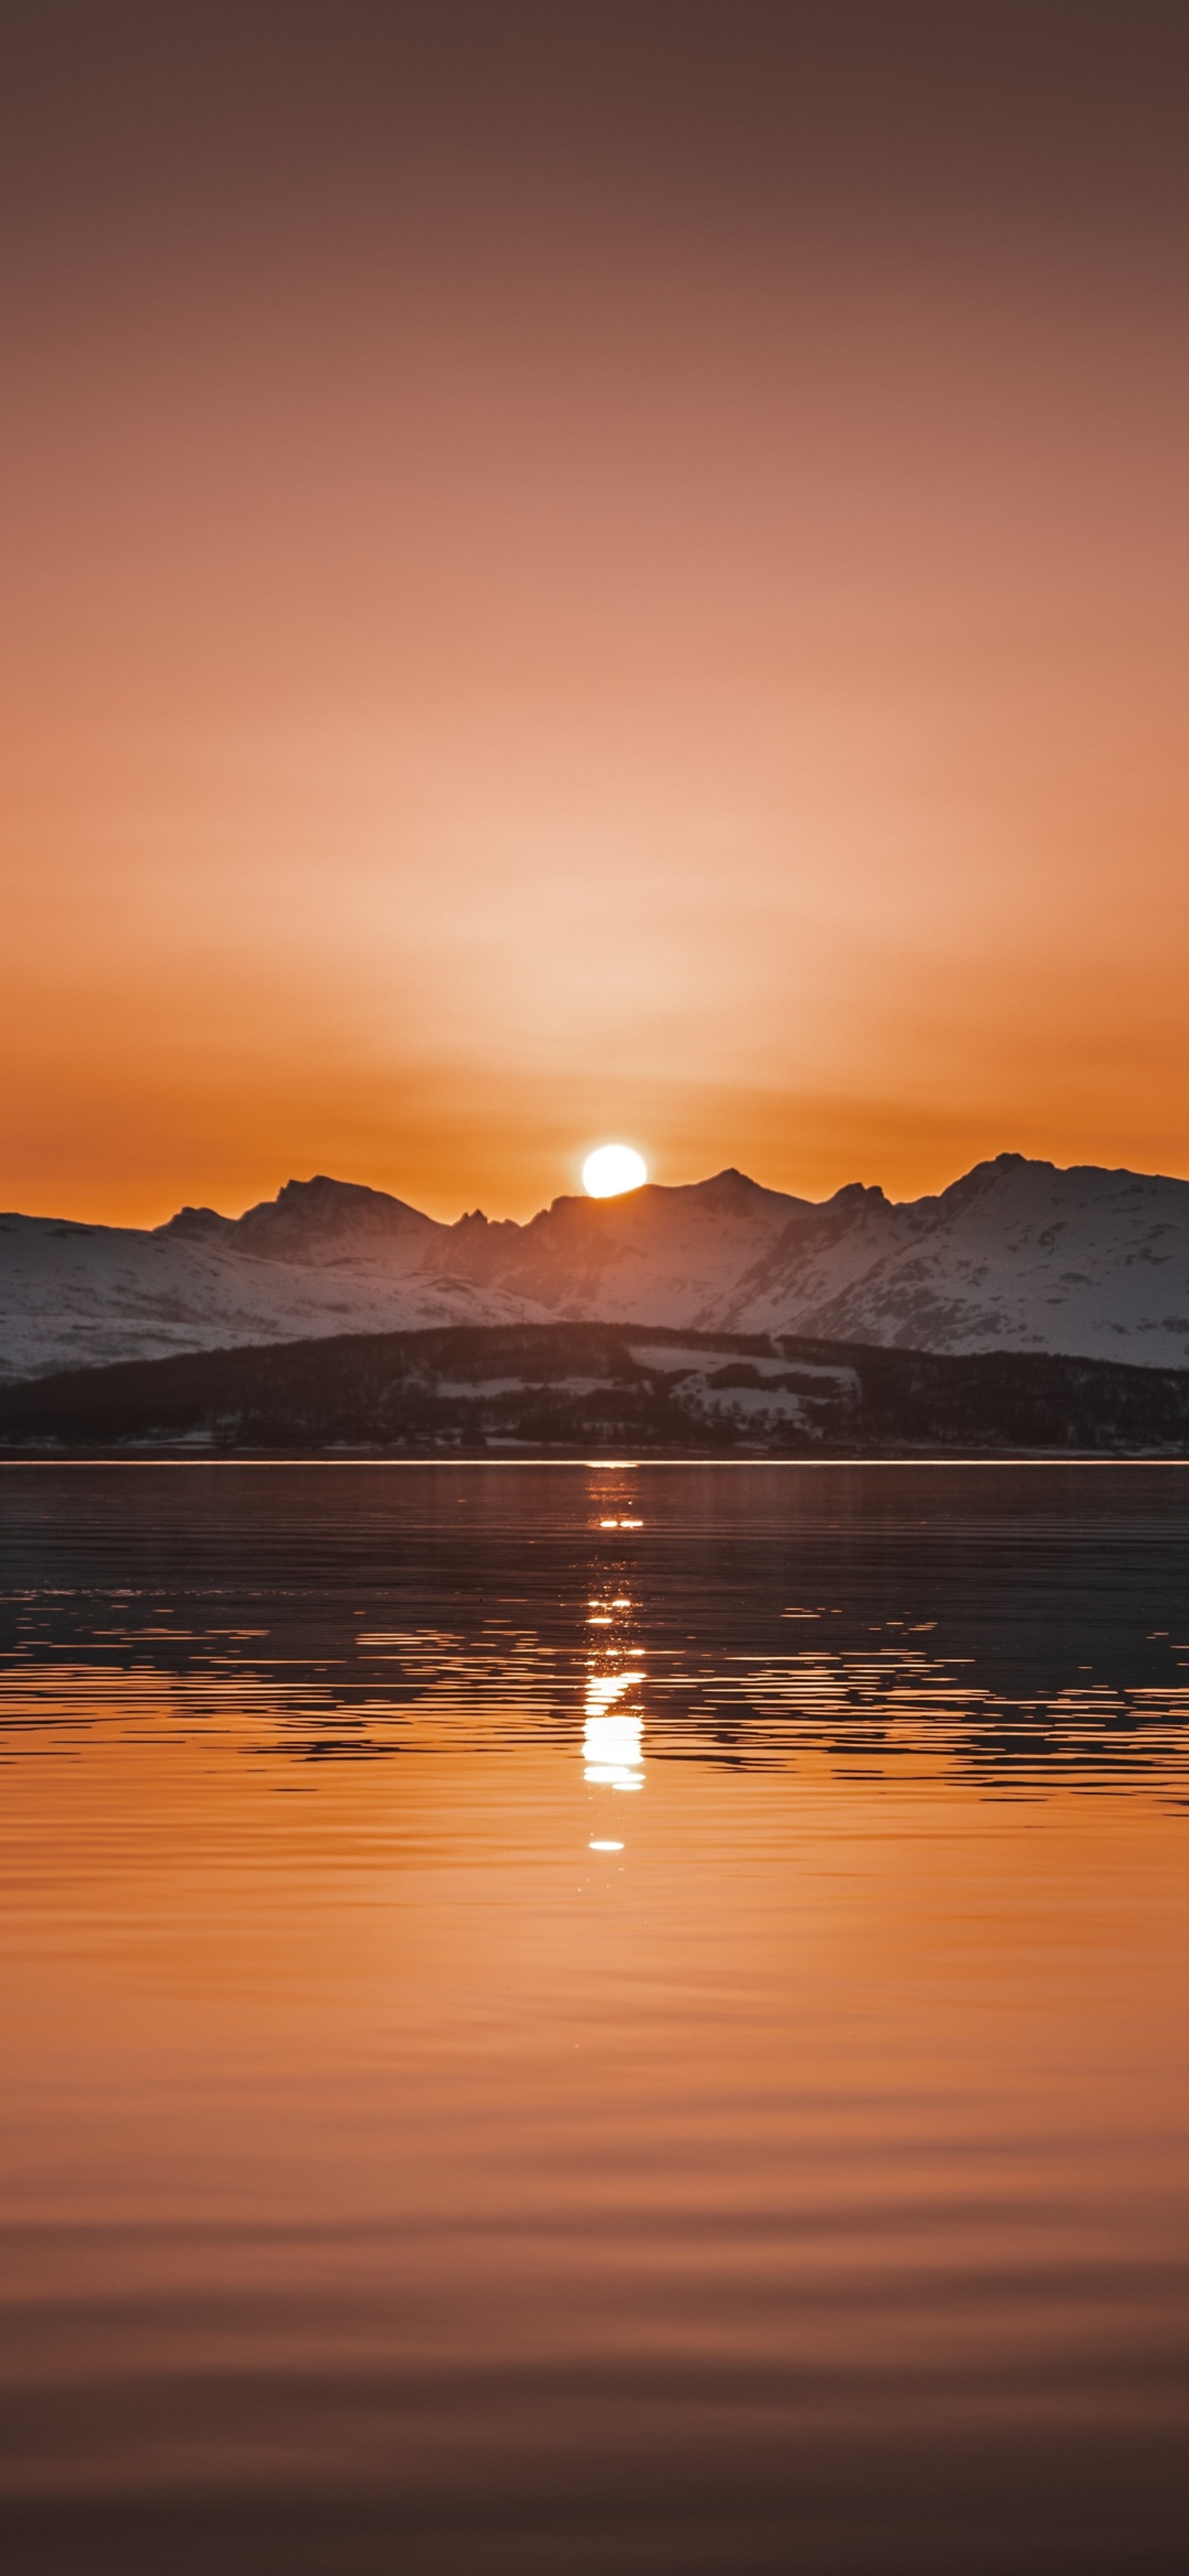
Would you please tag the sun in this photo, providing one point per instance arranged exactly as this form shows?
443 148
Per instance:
613 1168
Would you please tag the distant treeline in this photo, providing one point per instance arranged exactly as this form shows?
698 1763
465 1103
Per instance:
571 1388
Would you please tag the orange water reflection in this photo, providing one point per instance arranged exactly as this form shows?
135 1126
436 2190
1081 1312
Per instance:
391 2177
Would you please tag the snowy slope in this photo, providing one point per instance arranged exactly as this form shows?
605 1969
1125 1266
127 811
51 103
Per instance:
1017 1255
75 1295
655 1256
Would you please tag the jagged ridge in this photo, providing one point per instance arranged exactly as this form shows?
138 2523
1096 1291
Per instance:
1016 1255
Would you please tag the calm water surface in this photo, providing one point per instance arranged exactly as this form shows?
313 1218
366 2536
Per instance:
594 2019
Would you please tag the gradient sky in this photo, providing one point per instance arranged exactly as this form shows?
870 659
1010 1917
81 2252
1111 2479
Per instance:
581 571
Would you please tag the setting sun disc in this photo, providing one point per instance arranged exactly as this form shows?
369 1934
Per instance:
611 1169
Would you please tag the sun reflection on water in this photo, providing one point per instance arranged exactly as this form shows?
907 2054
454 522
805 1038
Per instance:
612 1742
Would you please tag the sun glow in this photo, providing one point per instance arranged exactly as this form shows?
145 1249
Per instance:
612 1169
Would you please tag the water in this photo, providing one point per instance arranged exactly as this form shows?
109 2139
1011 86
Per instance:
594 2019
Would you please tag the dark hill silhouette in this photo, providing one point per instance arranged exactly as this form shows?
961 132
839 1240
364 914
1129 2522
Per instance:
572 1388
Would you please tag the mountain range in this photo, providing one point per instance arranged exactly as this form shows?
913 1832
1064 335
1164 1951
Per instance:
1016 1256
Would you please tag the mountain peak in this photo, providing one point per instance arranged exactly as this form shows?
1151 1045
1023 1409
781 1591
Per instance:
324 1192
323 1219
857 1194
192 1224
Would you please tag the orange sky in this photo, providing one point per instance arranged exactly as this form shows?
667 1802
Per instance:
615 572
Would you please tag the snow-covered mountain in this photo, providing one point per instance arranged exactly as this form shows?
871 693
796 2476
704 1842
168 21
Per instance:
323 1257
1016 1256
